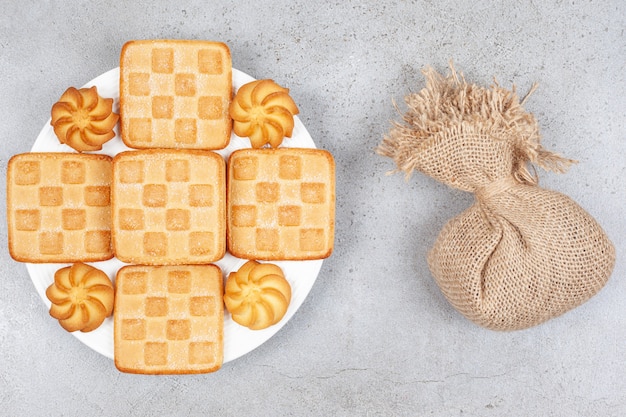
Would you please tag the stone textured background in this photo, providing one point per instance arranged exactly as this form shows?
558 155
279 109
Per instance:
375 337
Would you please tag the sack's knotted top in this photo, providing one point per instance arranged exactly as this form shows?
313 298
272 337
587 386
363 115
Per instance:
468 136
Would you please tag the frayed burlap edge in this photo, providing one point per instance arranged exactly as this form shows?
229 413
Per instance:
449 104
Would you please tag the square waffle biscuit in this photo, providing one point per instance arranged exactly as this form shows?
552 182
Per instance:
175 94
169 207
281 204
58 207
169 319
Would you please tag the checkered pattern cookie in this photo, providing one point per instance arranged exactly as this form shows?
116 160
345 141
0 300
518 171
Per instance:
168 207
169 319
281 204
58 207
175 94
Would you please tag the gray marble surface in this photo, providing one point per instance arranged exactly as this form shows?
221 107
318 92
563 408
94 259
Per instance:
375 335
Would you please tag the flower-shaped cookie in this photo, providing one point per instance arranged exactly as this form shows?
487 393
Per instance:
83 120
263 111
82 297
257 295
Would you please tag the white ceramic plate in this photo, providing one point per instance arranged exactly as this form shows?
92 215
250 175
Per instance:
238 340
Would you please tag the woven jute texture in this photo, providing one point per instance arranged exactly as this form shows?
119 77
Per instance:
521 254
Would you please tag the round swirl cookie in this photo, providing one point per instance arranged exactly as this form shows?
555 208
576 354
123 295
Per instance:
83 120
82 297
263 111
257 295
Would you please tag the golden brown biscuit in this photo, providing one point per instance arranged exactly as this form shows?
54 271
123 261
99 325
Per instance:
169 207
257 295
58 207
169 319
281 204
175 94
81 297
83 120
263 111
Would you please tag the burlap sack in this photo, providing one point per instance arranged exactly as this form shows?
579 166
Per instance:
520 254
